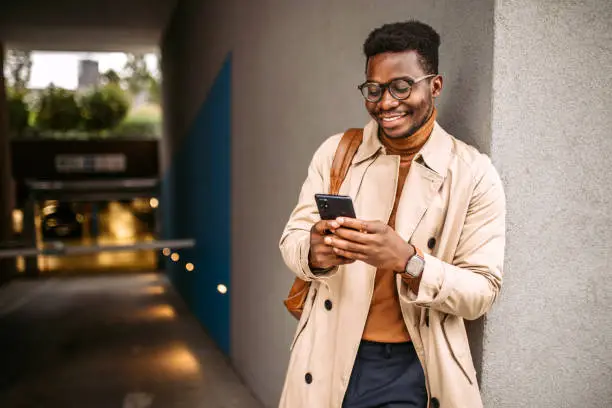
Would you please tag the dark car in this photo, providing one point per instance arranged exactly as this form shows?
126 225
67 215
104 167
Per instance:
62 221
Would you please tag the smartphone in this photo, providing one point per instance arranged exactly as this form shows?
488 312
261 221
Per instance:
334 206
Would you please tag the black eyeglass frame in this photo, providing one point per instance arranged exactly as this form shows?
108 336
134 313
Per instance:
386 86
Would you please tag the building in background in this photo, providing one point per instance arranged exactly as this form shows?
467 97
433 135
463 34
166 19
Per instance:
89 75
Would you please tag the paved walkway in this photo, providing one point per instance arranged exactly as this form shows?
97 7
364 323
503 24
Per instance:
109 341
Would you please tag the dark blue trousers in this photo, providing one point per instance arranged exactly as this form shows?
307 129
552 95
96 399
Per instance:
386 376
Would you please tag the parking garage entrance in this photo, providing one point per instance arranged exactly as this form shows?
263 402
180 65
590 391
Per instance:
86 206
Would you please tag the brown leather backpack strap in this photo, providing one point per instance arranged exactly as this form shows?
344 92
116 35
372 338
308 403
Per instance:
344 156
342 160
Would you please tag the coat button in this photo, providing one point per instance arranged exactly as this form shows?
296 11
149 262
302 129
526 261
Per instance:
435 403
328 304
308 378
431 243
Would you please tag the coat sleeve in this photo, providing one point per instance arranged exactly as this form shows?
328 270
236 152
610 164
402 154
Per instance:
469 286
295 240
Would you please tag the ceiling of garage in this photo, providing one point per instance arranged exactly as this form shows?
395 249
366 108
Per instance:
84 25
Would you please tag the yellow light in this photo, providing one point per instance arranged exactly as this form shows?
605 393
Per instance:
158 312
175 257
122 223
155 290
189 267
154 202
166 251
149 278
179 359
20 264
80 218
49 207
17 221
222 288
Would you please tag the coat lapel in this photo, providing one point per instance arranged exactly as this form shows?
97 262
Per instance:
421 186
426 175
374 179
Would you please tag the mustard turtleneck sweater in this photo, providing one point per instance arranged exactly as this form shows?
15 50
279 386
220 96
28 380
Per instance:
385 323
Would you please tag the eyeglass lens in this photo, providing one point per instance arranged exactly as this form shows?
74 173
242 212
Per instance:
399 89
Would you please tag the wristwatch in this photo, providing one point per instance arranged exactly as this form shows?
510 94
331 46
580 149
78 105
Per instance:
416 264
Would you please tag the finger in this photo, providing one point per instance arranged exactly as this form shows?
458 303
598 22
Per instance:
344 244
354 236
323 226
325 250
370 227
350 255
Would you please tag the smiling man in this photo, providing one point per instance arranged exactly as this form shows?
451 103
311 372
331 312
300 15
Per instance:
383 323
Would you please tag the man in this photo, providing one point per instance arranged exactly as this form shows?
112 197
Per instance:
383 324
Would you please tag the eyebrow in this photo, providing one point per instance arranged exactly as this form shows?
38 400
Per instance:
405 77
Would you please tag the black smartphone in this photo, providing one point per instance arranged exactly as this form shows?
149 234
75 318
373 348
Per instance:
334 206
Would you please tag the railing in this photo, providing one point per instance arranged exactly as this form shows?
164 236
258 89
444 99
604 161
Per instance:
58 248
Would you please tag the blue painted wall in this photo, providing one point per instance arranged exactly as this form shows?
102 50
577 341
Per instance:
196 203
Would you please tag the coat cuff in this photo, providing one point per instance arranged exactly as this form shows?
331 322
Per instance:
434 287
305 268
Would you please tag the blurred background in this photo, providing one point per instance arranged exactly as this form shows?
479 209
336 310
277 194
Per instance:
77 119
151 153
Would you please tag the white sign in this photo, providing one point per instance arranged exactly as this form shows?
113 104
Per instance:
90 163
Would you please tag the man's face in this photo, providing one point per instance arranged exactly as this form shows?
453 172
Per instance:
401 118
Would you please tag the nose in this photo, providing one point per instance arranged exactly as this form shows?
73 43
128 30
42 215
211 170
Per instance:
388 102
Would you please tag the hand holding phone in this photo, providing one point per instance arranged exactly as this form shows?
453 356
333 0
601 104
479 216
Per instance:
330 207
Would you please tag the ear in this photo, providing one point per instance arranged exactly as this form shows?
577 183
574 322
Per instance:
436 86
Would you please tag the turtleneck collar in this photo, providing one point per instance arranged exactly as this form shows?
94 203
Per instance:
410 145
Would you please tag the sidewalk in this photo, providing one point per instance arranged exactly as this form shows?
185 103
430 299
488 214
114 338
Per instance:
109 341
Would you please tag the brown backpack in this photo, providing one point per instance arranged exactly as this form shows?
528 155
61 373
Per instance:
342 160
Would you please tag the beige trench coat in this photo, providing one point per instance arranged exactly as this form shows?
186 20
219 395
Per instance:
453 201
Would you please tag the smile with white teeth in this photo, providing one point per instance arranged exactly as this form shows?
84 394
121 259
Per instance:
392 118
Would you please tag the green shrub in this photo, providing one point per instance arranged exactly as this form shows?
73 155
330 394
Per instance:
18 112
138 128
104 108
58 110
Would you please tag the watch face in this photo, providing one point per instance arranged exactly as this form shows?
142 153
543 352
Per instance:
415 266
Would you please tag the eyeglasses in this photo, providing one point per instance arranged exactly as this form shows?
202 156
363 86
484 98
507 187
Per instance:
399 88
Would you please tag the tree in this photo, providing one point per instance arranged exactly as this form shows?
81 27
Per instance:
111 77
17 110
137 76
104 108
19 69
58 110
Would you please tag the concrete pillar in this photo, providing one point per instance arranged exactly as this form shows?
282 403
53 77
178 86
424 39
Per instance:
547 341
7 266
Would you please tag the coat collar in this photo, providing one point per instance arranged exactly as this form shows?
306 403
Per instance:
435 154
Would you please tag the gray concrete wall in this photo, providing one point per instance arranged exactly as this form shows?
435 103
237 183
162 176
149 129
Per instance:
296 66
547 344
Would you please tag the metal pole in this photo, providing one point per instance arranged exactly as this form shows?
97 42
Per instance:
29 234
59 249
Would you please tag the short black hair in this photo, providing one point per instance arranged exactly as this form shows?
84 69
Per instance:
406 36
